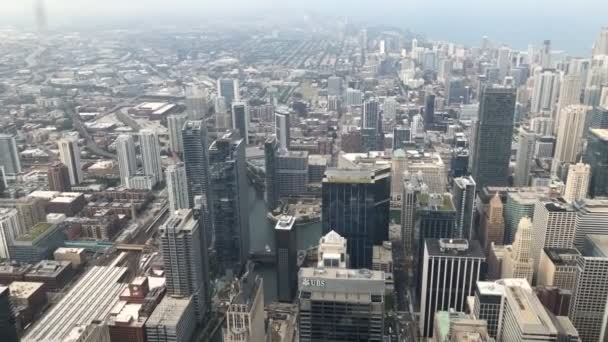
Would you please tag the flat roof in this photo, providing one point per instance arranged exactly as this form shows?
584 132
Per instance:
562 256
24 289
472 250
35 232
359 176
497 287
285 222
169 311
532 317
601 133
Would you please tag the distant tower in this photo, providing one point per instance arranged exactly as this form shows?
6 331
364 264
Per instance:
175 124
600 47
287 258
334 86
150 154
544 94
69 153
518 262
9 156
493 223
545 54
177 186
569 142
282 127
429 111
127 160
59 177
270 161
525 157
196 102
577 184
229 90
371 114
569 94
240 119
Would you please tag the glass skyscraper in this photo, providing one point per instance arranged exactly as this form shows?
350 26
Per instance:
597 158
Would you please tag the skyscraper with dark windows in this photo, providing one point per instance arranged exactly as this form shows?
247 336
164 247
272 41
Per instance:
463 195
597 158
9 156
183 255
270 164
228 181
194 134
356 204
229 90
281 128
240 120
493 135
450 271
371 114
8 330
429 111
287 258
59 177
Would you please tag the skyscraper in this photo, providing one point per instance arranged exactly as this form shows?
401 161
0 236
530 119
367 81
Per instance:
240 120
127 160
588 308
525 318
492 145
69 153
429 111
450 270
356 204
287 258
371 114
518 262
8 329
59 177
519 204
10 229
545 54
597 158
245 314
334 86
401 135
177 186
569 94
389 108
463 193
229 90
196 102
270 164
493 223
228 183
591 219
183 260
282 127
398 167
544 93
9 156
553 226
150 154
525 157
175 125
600 47
577 183
194 134
570 135
413 186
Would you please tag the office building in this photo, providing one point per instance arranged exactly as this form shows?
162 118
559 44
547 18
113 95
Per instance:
401 136
37 244
8 328
517 261
354 97
291 173
69 154
334 86
432 167
569 94
458 326
228 180
597 157
371 115
553 226
127 160
570 135
493 134
175 123
59 177
488 302
519 204
356 204
10 229
525 318
196 159
389 108
282 127
240 120
558 267
493 223
525 157
196 102
413 187
183 257
173 320
398 167
229 90
150 155
9 156
177 186
341 305
332 251
588 307
30 210
591 219
271 193
577 183
545 91
463 195
429 111
450 270
599 117
245 314
287 258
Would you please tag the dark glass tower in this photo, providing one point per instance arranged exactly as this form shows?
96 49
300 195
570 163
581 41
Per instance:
240 120
8 331
270 165
356 204
597 158
228 181
287 258
194 135
463 193
429 111
491 148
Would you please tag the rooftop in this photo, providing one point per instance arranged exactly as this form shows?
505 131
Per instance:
454 248
285 222
24 289
169 311
532 316
359 176
497 287
437 202
36 231
48 268
601 133
562 256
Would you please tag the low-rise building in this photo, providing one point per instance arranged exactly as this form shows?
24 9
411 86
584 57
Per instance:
54 274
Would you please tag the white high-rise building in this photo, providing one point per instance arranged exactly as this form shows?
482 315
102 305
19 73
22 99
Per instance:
69 154
569 94
545 91
503 61
332 251
525 318
518 262
570 135
390 108
9 230
175 124
398 167
553 226
591 219
545 54
577 183
177 186
127 159
150 154
525 155
600 47
196 102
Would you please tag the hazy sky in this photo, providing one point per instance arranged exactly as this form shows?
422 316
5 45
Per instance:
571 25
